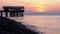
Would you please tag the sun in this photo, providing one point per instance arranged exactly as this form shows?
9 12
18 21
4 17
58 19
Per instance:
40 6
41 9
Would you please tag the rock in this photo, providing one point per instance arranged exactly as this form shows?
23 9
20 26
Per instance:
8 26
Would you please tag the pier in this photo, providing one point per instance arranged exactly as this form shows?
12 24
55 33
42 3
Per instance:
12 11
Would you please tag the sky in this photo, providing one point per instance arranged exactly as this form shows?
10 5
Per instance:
33 5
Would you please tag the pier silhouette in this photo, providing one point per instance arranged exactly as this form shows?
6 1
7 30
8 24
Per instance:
12 11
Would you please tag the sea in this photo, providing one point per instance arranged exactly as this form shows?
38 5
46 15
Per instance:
45 24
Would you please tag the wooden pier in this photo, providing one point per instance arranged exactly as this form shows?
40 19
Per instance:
12 11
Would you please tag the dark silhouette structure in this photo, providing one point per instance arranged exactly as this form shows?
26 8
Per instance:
14 11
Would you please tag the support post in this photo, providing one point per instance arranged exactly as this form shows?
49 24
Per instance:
6 14
1 14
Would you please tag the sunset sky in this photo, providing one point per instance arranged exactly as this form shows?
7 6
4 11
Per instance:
33 5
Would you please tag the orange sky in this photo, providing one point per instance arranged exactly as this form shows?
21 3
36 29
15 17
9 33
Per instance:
33 5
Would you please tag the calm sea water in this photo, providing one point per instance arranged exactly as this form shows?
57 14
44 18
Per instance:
48 24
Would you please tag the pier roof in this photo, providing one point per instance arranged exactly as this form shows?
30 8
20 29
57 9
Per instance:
13 7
